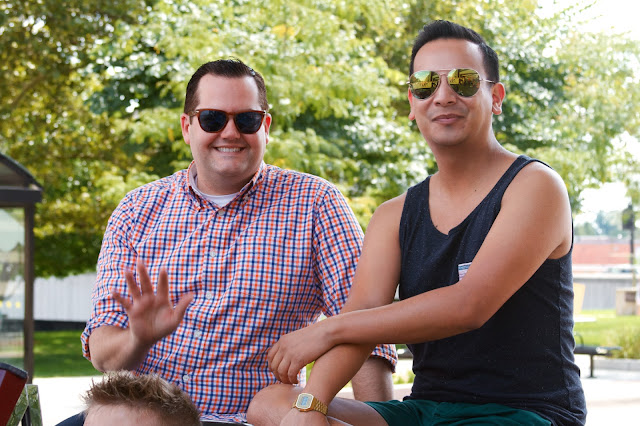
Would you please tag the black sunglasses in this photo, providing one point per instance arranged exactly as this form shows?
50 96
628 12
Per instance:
214 120
464 81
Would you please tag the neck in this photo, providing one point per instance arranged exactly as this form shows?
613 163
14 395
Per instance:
223 189
217 185
462 167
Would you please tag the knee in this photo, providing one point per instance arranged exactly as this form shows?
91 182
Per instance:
271 404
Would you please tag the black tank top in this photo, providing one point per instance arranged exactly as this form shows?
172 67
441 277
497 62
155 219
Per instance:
523 356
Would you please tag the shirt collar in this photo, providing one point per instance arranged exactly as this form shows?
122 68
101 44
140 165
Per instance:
192 171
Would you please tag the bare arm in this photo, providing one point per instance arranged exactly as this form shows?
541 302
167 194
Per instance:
534 224
114 348
151 317
379 264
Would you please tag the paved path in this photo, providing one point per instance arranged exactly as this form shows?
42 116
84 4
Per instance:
613 396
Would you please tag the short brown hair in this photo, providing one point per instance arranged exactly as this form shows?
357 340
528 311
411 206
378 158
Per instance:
146 392
449 30
230 68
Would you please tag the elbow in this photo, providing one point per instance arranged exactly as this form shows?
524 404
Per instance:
470 310
98 363
99 366
98 357
472 317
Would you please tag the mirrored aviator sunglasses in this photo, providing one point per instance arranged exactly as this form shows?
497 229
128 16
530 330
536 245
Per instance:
215 120
464 81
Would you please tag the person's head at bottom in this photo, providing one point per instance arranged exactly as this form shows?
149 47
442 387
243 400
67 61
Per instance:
125 399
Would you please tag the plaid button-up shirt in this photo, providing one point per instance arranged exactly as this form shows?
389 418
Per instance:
269 262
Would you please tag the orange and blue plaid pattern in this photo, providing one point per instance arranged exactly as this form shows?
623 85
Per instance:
269 262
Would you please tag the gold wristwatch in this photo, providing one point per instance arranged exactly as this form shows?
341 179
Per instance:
308 402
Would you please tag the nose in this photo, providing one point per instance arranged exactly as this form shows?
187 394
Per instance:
444 94
230 131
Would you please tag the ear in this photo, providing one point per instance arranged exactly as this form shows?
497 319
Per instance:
412 114
497 97
267 126
185 123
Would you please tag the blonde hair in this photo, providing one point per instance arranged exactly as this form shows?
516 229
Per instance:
146 392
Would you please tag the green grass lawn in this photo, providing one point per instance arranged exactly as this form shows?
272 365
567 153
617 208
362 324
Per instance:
611 330
58 353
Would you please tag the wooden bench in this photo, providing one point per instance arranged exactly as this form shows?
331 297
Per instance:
580 349
592 351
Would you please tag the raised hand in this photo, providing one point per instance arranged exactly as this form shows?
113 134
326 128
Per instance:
151 315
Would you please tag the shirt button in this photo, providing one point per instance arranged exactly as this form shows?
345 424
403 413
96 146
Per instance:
221 212
209 295
197 333
185 378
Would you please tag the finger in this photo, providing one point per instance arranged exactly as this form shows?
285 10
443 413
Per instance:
126 304
163 286
283 372
145 281
275 360
271 353
134 290
293 374
181 306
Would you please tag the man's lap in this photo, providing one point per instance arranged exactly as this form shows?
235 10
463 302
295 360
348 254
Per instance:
424 412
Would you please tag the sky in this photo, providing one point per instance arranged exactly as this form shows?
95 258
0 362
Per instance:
615 16
611 16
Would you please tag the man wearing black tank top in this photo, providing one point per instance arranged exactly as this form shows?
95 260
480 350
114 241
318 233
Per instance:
481 251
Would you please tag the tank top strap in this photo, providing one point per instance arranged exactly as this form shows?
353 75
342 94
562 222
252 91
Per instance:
508 176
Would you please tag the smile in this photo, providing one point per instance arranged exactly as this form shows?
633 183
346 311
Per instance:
223 149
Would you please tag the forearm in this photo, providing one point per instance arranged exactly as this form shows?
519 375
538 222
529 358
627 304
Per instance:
113 348
430 316
332 371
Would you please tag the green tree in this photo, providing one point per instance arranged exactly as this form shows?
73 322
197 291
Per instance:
92 92
46 123
332 97
570 92
605 223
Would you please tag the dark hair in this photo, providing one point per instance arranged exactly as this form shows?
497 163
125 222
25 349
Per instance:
146 392
232 68
444 29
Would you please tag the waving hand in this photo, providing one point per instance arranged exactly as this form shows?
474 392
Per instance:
151 315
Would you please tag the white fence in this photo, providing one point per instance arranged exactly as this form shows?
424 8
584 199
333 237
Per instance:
600 289
63 299
69 298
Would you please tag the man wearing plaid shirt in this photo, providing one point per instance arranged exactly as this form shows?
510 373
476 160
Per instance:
202 271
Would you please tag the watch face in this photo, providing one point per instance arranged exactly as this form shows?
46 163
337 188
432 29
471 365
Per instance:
304 400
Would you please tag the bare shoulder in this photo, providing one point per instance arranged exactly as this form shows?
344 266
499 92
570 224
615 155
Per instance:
390 211
538 199
537 180
385 222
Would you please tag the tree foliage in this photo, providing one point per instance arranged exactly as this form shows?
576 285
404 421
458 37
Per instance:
605 224
91 94
47 125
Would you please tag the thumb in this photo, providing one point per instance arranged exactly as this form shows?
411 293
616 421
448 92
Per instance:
182 305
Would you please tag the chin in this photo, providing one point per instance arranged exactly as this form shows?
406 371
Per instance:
446 141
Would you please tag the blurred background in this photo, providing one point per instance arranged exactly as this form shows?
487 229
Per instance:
91 93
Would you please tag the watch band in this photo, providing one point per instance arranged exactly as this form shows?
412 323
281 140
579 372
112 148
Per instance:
308 402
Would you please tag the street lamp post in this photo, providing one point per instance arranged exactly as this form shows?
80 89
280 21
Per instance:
629 222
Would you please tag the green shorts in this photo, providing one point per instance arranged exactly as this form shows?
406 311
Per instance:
420 412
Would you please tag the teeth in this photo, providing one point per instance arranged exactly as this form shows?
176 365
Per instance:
229 149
